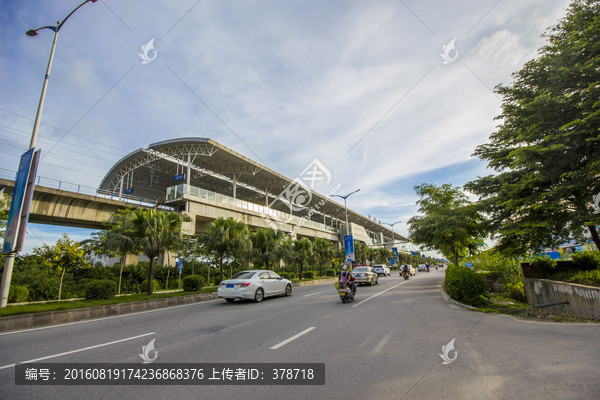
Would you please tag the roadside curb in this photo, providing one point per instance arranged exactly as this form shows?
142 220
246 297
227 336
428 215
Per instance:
37 320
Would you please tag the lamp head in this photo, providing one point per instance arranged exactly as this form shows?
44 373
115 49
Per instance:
31 32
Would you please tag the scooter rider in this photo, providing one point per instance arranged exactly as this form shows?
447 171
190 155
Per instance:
404 269
347 278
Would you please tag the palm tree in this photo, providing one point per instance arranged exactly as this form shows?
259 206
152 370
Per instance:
303 252
154 232
323 251
223 237
119 240
267 244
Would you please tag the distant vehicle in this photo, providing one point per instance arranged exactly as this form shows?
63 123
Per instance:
365 275
382 270
254 285
422 267
411 269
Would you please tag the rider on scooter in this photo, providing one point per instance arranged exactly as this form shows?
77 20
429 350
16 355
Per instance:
347 278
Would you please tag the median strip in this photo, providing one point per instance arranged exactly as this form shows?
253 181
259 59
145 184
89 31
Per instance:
292 338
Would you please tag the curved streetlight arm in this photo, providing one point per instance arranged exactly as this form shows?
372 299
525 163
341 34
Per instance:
56 28
59 25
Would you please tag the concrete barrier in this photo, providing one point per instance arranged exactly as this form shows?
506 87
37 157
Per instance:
562 297
36 320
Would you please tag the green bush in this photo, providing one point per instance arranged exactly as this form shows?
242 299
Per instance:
288 275
591 278
308 275
193 283
101 289
18 294
543 263
586 260
466 286
330 272
516 291
143 287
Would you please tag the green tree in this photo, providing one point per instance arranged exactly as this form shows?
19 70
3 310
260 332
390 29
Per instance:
266 244
65 255
449 223
303 252
223 237
323 252
546 152
154 232
118 239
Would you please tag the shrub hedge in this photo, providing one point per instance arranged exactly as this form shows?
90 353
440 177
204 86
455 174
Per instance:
308 275
587 260
465 285
193 283
330 272
18 294
101 289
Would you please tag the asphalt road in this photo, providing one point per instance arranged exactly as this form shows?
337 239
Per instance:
384 345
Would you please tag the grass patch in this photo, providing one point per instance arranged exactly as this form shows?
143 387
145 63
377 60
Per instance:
67 305
502 304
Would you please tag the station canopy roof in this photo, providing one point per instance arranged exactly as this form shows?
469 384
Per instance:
147 173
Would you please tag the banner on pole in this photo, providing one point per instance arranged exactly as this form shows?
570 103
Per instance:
349 248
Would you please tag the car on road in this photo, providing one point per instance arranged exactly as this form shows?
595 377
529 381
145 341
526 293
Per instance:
422 267
254 285
411 269
365 275
381 269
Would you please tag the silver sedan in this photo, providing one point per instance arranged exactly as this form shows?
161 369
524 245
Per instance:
254 285
365 275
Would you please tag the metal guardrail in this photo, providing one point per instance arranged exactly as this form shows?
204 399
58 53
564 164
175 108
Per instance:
83 189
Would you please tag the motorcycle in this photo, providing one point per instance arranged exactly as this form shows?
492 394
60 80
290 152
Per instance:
405 275
345 292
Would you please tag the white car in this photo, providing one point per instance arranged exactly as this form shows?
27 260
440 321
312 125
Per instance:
382 269
254 285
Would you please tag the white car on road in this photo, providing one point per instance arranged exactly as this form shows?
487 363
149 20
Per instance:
254 285
382 269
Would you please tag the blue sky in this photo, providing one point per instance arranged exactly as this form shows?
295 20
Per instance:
359 85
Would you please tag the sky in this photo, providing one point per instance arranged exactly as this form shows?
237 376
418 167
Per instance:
386 94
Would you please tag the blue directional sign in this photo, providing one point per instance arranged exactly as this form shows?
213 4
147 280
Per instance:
178 177
128 191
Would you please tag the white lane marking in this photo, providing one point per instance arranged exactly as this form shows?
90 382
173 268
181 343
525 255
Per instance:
105 318
382 343
382 292
79 350
312 294
292 338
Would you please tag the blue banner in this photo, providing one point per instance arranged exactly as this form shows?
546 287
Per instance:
349 247
16 204
395 250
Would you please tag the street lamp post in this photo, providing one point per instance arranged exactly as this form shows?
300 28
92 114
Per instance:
10 257
346 208
393 233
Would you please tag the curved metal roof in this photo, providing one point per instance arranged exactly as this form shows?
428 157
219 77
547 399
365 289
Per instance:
148 172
